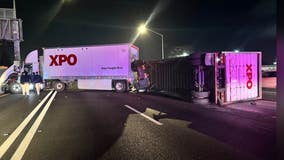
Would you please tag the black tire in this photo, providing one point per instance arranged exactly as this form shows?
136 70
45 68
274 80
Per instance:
15 88
120 86
59 86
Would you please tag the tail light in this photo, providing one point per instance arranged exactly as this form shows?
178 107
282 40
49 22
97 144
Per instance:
221 58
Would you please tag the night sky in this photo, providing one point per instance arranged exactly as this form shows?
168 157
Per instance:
199 25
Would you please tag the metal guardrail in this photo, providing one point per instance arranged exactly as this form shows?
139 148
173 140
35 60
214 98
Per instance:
269 68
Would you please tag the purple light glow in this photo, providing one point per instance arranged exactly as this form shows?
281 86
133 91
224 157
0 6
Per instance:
238 80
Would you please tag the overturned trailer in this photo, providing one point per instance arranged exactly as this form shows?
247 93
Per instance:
219 77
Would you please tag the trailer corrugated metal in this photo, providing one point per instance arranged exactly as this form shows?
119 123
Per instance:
171 75
178 75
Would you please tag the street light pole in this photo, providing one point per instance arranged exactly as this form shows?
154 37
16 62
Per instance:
16 31
163 55
162 37
14 9
142 29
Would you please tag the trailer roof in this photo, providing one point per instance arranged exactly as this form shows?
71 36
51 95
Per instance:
113 44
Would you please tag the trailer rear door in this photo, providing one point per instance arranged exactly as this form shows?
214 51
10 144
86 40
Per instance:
242 76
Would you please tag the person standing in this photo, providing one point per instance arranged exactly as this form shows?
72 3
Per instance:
25 83
38 81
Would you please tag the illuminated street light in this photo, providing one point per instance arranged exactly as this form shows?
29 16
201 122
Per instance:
142 29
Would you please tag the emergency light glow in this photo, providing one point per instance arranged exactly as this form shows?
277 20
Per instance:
218 59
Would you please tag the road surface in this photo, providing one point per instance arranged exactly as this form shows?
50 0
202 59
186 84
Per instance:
108 125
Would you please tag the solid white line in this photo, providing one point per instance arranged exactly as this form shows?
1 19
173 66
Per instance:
29 136
5 146
142 114
4 95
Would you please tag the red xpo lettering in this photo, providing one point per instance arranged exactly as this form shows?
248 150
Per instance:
57 60
53 60
74 59
249 75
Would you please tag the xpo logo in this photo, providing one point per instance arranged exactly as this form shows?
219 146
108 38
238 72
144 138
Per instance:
249 76
57 60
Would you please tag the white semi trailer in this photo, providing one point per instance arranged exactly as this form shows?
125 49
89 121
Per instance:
99 67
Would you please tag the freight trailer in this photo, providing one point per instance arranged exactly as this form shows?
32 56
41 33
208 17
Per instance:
99 67
221 77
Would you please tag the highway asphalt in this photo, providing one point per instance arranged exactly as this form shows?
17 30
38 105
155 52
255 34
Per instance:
108 125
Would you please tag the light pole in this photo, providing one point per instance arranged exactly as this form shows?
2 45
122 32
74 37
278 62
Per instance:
16 32
142 29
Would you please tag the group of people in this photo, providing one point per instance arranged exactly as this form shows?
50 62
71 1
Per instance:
26 79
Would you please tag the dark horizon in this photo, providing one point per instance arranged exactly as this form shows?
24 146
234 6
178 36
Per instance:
196 25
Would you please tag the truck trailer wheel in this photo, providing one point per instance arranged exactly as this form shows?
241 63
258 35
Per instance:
58 86
120 86
15 88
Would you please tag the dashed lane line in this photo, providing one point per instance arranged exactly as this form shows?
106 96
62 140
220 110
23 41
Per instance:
4 95
143 115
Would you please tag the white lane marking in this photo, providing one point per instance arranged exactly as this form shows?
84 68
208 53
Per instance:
142 114
5 146
4 95
29 136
